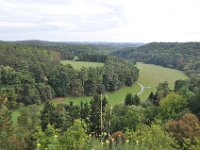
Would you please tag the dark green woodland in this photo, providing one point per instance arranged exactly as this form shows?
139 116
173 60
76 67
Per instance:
31 75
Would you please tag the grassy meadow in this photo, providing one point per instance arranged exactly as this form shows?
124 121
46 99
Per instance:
152 75
80 64
113 97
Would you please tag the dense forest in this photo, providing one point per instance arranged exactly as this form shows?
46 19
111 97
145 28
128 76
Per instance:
182 56
31 74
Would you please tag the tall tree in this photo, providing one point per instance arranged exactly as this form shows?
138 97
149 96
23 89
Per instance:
129 99
173 106
98 108
47 115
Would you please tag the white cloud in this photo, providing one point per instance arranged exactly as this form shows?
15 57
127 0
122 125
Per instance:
100 20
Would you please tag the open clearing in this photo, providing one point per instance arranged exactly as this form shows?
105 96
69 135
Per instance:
113 97
80 64
152 75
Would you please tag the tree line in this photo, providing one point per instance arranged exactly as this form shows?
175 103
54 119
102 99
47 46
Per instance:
182 56
166 120
31 74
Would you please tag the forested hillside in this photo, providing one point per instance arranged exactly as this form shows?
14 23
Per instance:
182 56
31 74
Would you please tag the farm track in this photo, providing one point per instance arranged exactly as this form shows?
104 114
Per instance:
142 88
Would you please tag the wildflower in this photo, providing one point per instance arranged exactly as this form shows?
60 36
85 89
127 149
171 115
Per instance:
127 141
38 145
107 141
119 135
112 139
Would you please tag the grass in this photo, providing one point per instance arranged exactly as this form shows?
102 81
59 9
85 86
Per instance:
152 75
113 97
80 64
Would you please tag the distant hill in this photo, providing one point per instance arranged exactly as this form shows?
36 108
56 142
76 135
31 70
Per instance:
97 47
182 56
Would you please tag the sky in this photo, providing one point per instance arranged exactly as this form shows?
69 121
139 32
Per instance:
100 20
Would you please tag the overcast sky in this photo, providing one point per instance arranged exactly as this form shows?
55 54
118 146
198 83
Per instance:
100 20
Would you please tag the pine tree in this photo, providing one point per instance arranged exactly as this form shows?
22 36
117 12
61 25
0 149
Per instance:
136 100
95 113
47 115
129 99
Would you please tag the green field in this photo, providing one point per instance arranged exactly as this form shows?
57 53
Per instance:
80 64
113 97
152 75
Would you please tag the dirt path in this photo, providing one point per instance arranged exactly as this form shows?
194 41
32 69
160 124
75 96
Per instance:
142 88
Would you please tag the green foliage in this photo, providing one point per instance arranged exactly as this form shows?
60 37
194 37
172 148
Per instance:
75 137
33 114
128 99
8 75
45 91
90 81
48 139
124 117
150 112
59 80
194 103
118 72
47 115
173 106
136 100
73 111
97 110
182 56
31 73
23 119
152 75
162 90
134 117
20 86
9 138
153 137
